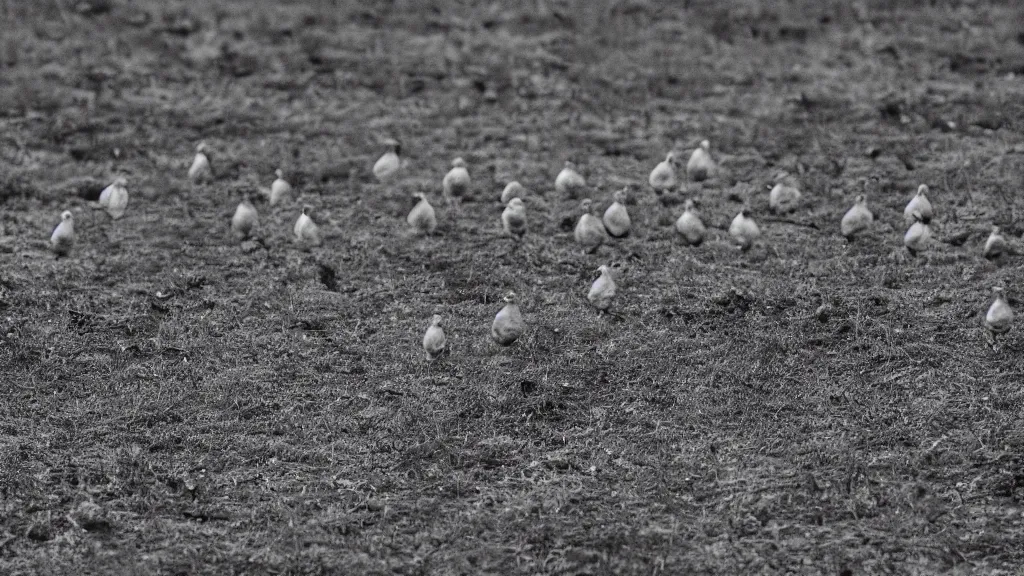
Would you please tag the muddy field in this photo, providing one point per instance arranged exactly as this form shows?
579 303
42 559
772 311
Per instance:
174 401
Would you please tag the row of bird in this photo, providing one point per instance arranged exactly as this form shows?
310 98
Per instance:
591 231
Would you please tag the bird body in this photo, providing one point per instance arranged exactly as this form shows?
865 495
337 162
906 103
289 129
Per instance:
512 190
245 220
200 169
995 246
616 217
590 232
513 218
783 198
434 340
114 198
307 233
280 188
569 182
857 218
62 239
999 317
602 291
663 176
700 166
690 226
744 230
508 323
388 164
920 204
918 235
456 182
422 217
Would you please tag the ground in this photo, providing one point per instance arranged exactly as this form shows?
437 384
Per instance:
174 401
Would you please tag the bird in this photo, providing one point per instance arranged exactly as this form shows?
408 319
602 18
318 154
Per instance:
512 190
513 218
700 166
995 246
63 237
783 198
918 235
508 323
245 220
569 182
663 176
616 217
422 217
857 218
280 188
590 232
434 340
999 317
114 198
744 230
388 164
920 204
690 226
307 233
602 291
456 182
200 169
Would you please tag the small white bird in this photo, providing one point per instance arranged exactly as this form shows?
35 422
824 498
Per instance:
307 233
783 198
200 169
700 166
280 188
422 217
508 323
389 163
857 218
602 291
616 217
918 235
245 220
513 218
690 226
995 246
63 237
590 232
434 340
456 182
569 182
513 190
663 177
999 317
114 198
920 204
744 230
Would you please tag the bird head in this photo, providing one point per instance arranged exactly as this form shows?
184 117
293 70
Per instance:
120 181
306 209
922 189
585 205
516 202
201 147
689 204
435 320
67 215
670 157
510 297
998 292
569 165
604 269
279 173
458 163
393 145
705 145
995 229
620 196
861 199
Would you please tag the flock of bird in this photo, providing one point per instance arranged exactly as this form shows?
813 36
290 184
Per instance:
590 232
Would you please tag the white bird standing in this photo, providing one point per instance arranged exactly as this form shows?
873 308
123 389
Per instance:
783 198
589 232
690 226
616 217
995 246
456 182
200 169
389 163
513 218
700 166
508 323
663 176
434 340
569 182
920 204
918 236
114 198
280 188
245 220
307 233
602 291
857 219
999 317
512 190
744 230
63 237
422 217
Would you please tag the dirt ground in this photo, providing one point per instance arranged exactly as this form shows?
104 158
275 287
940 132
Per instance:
173 401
